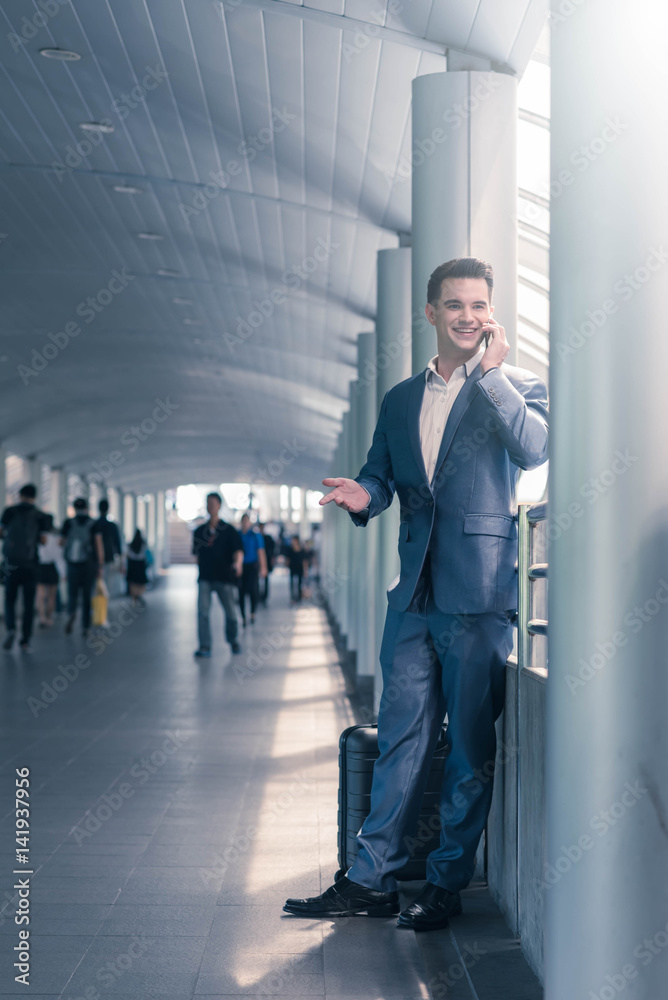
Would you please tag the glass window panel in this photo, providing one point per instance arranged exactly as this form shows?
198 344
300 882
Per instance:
534 306
533 214
236 495
536 276
525 351
532 484
533 91
533 158
531 336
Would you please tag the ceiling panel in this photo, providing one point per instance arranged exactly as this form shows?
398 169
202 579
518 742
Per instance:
264 141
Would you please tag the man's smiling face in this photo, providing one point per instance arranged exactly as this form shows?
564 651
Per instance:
458 315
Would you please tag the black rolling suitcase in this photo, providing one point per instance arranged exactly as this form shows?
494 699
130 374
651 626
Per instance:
358 751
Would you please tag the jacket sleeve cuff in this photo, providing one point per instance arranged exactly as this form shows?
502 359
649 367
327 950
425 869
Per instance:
498 389
360 518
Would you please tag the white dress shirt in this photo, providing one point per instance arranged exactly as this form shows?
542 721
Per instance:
437 402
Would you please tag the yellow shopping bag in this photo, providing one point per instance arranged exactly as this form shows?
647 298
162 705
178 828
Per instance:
100 603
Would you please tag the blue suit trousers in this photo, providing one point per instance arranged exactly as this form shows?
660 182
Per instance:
434 663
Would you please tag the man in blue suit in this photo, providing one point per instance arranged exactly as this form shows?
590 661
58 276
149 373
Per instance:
450 442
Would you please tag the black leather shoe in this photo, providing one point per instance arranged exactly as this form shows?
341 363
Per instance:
343 899
432 909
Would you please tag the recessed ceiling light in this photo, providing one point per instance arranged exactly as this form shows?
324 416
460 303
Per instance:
192 322
168 272
106 127
178 301
64 54
150 236
127 189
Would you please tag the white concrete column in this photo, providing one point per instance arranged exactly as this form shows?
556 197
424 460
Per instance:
58 504
114 505
353 532
304 527
464 188
366 539
345 528
129 518
140 513
393 363
333 527
34 470
607 693
151 532
162 549
120 515
3 476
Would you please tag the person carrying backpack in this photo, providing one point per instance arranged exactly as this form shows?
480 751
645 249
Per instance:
81 567
23 527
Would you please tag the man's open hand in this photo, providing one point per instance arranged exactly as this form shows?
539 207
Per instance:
346 494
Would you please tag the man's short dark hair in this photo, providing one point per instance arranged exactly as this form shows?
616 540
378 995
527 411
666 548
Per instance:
80 503
29 491
460 267
216 496
103 506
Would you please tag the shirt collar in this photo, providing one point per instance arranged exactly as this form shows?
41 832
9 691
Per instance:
468 365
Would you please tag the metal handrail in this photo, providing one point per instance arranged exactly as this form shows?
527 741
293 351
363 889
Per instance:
528 516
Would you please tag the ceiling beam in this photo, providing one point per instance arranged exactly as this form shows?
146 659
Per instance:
344 23
139 179
339 21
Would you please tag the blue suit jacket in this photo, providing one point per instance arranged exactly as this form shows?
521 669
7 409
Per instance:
467 518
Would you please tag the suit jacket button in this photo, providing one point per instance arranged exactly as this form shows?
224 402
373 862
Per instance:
430 503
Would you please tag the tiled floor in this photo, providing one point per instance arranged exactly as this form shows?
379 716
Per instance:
175 804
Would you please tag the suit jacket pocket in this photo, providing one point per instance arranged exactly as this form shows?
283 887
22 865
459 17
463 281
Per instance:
403 531
489 524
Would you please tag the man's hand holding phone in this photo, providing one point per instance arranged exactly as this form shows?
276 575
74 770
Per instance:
496 346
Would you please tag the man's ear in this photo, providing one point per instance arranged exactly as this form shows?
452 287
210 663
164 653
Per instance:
491 310
430 313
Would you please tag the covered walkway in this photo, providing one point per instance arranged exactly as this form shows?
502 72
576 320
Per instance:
175 805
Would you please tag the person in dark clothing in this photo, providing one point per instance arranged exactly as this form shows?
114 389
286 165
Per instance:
81 568
269 550
137 579
255 567
220 554
23 528
108 548
296 556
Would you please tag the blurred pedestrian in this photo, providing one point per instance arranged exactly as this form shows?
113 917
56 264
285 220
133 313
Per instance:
269 550
220 555
296 558
48 574
22 527
108 549
255 567
77 541
136 572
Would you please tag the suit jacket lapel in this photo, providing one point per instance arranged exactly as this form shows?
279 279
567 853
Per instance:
464 399
413 415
